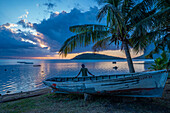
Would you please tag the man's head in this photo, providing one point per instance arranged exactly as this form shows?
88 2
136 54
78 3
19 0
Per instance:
83 66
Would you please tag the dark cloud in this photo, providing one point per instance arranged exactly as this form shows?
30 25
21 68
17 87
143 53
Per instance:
50 5
7 24
12 40
25 24
77 5
11 45
56 28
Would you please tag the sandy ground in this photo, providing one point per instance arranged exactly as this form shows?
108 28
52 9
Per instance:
60 103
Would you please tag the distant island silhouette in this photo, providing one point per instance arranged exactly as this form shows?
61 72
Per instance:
94 56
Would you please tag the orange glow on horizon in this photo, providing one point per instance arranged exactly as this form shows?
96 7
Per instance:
114 53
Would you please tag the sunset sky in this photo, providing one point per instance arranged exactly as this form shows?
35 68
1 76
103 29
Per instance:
38 28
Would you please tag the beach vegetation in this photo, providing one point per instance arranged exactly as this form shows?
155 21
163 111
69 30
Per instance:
161 62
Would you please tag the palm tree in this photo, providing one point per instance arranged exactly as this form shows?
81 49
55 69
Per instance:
125 20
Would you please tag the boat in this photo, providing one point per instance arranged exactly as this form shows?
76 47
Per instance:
113 62
115 67
29 63
36 65
142 84
22 62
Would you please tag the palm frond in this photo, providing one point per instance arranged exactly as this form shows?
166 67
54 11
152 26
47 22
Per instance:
161 44
113 10
135 19
140 38
127 6
87 27
168 42
115 3
102 44
163 4
139 11
155 20
114 17
81 40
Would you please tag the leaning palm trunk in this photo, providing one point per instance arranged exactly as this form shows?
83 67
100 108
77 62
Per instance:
128 56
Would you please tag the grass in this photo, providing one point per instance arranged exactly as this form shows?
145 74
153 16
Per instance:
58 103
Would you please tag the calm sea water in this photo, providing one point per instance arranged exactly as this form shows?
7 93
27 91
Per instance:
17 77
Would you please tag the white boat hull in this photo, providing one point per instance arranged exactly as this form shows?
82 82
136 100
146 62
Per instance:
145 84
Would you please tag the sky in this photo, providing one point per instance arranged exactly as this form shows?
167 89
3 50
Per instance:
36 29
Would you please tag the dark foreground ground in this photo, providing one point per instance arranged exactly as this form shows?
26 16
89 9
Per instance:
59 103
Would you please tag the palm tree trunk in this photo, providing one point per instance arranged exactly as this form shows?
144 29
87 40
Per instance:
129 59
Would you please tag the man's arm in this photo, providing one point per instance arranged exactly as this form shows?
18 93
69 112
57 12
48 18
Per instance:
90 73
78 74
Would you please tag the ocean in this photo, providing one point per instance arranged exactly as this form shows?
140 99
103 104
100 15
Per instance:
16 76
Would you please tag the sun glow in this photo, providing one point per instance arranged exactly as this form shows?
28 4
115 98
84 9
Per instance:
42 44
57 13
9 25
114 53
39 35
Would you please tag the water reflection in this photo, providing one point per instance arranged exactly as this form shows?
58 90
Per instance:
27 77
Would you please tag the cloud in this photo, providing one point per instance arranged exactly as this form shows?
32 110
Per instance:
44 38
24 15
56 28
49 5
9 25
25 24
11 40
21 44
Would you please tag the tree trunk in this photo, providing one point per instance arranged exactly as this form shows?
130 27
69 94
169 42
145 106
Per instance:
129 59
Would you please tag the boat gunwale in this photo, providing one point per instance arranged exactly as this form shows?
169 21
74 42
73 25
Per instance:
102 77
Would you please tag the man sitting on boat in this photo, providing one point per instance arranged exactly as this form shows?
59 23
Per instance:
84 71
